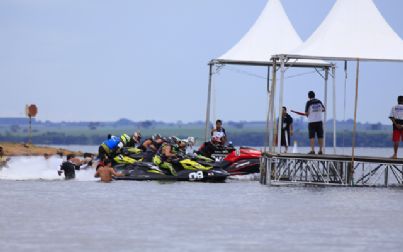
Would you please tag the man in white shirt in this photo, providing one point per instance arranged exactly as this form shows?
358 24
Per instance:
396 116
314 111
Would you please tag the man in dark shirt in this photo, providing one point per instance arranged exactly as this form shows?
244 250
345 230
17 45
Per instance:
286 129
68 168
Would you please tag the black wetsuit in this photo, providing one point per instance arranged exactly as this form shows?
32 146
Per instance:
69 170
285 130
149 153
207 149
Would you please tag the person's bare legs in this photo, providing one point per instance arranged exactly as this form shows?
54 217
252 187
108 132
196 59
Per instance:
320 140
312 143
395 148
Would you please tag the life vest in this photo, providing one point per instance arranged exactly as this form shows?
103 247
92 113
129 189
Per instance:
111 144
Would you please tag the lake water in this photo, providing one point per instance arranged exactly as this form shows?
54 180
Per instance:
42 212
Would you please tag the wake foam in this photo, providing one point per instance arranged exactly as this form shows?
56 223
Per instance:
248 177
35 168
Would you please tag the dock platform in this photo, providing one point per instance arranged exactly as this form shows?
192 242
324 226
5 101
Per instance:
335 170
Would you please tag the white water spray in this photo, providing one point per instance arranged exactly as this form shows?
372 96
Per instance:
35 168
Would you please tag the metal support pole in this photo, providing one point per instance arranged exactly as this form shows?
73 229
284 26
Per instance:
271 108
206 135
267 138
325 116
30 129
334 109
280 104
355 119
345 101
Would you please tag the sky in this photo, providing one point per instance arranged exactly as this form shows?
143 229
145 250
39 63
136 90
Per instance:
98 60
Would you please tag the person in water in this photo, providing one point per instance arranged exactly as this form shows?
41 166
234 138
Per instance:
68 167
396 116
286 129
111 147
219 132
106 172
314 111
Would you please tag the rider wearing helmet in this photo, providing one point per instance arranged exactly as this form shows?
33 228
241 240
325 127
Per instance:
166 154
135 139
180 145
209 148
150 147
110 147
152 144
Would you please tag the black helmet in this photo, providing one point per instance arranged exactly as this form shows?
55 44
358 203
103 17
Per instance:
155 137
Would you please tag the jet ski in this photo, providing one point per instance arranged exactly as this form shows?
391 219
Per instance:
241 161
141 171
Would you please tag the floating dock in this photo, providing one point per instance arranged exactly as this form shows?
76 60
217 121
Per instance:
335 170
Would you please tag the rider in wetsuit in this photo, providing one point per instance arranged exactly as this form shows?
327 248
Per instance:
110 147
135 140
150 147
209 148
165 155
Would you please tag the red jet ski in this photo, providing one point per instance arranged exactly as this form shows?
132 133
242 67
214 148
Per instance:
242 161
236 161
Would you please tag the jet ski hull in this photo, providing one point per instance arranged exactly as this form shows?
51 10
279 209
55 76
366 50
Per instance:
147 171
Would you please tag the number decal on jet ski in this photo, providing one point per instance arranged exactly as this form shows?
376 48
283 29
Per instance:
195 175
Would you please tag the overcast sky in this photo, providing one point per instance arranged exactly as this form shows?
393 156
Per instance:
99 60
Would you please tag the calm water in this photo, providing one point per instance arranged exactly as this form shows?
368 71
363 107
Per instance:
41 212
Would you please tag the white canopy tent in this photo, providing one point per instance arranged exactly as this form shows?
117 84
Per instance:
272 33
352 31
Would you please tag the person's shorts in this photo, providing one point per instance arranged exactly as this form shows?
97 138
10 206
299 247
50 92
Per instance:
315 128
397 135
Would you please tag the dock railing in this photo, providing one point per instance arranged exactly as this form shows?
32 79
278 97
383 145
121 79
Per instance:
336 170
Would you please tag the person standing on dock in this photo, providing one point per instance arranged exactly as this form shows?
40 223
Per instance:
286 129
314 109
396 116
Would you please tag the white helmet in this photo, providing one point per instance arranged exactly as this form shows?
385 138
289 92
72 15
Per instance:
190 141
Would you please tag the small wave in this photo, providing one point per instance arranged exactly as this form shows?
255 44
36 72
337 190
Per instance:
248 177
39 168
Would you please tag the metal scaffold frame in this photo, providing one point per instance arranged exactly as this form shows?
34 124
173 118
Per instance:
338 171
